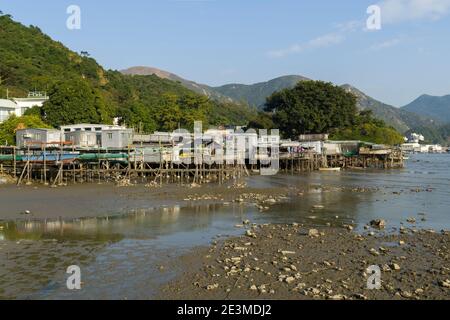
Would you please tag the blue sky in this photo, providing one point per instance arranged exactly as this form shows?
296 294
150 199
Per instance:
223 41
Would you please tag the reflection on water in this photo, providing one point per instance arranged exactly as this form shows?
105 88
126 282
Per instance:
120 255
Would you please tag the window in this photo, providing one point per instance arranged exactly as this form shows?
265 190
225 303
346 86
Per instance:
88 129
110 136
66 130
98 129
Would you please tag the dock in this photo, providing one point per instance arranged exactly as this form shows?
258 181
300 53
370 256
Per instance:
59 164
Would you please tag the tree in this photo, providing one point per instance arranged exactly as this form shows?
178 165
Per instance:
12 124
311 107
169 113
74 101
369 132
262 121
34 111
194 108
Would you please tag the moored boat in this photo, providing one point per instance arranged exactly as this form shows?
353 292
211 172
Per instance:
330 169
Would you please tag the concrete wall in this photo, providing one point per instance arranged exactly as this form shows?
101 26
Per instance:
117 138
35 138
84 139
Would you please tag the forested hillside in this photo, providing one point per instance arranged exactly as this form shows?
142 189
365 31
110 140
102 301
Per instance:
83 91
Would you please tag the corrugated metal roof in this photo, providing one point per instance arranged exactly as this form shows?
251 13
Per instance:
7 104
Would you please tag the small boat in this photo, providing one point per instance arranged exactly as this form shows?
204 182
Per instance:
330 169
51 157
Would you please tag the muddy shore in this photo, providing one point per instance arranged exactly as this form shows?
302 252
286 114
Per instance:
296 262
98 200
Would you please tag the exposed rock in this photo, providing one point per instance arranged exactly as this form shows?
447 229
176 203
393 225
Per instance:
378 223
250 234
289 280
445 283
313 233
337 297
395 267
212 287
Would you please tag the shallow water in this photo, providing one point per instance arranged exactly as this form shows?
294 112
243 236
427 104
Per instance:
120 257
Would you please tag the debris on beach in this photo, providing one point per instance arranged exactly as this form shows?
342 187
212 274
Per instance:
286 262
378 223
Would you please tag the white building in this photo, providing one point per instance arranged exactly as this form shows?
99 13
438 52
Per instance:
37 138
410 147
422 148
18 106
90 127
7 109
86 135
414 138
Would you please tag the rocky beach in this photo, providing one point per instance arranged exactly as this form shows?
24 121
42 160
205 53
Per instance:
305 236
294 262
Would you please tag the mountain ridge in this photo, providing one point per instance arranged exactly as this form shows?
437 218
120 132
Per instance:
437 107
191 85
255 95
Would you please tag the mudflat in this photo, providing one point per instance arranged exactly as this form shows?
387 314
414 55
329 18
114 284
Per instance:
294 262
97 200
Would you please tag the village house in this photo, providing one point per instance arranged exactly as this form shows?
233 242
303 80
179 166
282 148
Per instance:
38 138
117 138
18 106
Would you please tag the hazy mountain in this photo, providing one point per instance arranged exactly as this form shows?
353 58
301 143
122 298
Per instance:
431 106
256 94
401 119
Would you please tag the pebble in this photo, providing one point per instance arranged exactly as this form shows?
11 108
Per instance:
250 234
445 283
411 220
313 233
337 297
395 267
378 223
212 287
289 280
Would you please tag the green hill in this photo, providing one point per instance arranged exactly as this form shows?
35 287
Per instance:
256 94
431 106
402 120
77 85
191 85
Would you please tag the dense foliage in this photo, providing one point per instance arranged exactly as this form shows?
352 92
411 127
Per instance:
369 129
311 107
9 127
263 120
319 107
82 91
